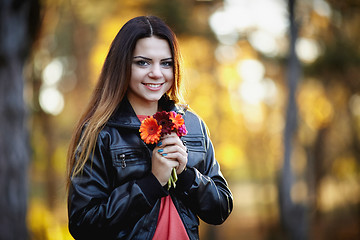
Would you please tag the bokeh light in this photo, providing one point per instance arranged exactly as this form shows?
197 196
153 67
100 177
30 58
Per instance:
51 100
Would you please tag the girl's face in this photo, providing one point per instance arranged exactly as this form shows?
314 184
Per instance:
151 72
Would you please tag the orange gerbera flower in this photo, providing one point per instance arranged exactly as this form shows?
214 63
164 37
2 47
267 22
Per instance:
150 131
176 119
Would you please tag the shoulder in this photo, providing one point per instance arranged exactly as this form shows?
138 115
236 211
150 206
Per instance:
194 123
190 116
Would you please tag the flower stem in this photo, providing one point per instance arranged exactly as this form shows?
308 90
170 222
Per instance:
173 178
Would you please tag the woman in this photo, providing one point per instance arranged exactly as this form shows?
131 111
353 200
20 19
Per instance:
117 183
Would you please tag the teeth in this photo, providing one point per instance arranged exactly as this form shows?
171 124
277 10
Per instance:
153 85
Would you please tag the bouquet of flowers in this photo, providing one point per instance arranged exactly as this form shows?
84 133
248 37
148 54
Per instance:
161 123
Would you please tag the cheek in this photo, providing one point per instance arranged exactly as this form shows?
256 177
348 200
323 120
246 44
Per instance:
169 75
170 80
170 85
136 75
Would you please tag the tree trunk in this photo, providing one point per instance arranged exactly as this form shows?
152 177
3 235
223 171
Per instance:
18 24
293 215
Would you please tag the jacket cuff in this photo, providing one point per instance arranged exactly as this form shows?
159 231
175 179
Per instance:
151 188
186 179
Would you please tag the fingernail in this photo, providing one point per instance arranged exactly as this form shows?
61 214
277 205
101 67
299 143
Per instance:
160 150
164 154
159 144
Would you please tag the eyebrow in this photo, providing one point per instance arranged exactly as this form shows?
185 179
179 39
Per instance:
149 59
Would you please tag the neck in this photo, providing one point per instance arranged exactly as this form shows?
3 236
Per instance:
148 109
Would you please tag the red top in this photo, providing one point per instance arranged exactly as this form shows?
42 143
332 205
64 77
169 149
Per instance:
169 224
142 117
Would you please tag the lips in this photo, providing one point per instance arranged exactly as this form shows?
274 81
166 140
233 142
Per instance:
153 86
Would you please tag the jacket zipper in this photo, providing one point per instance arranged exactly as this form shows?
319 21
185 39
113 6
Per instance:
123 158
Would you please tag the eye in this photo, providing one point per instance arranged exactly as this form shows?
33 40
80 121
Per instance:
142 63
167 64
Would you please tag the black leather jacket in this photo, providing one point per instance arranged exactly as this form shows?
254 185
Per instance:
117 196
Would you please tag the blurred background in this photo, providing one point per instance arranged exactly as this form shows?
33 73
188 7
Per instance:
276 81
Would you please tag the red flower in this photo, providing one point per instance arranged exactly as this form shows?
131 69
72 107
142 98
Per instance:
161 123
176 119
150 131
163 119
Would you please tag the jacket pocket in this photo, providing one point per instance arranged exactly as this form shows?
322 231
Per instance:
196 151
130 163
194 143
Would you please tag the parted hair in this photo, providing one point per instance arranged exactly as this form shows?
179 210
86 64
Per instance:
113 84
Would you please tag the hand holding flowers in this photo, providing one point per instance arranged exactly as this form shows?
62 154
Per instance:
165 130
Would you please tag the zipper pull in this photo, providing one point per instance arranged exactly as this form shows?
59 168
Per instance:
122 159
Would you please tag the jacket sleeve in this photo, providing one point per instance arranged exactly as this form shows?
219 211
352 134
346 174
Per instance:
206 192
96 209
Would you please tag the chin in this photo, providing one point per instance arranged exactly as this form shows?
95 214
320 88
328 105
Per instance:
151 100
154 98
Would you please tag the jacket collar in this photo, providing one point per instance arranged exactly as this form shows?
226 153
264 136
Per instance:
125 116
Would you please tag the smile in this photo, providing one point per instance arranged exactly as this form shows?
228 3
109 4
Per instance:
153 86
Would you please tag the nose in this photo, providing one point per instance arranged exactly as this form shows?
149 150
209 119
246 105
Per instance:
155 71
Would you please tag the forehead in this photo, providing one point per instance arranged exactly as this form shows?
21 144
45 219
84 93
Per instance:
152 47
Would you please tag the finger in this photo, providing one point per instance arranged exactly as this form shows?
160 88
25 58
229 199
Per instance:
172 134
172 141
173 149
163 156
171 163
182 160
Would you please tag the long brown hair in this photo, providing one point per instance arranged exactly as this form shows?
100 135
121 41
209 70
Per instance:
113 84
